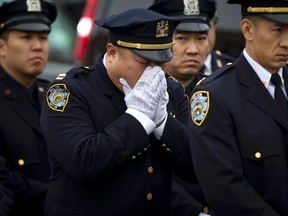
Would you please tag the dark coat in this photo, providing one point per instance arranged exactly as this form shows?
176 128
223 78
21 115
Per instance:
239 148
103 161
22 145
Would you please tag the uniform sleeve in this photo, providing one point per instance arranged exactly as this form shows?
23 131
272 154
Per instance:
218 162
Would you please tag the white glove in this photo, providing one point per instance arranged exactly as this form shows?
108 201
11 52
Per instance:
161 111
203 214
145 95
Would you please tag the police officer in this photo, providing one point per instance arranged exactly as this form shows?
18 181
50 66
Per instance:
111 127
24 49
240 127
190 50
190 38
215 58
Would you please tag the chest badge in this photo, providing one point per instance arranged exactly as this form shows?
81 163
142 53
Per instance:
57 97
200 103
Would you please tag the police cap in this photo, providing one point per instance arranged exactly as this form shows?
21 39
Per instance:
146 33
210 7
27 15
192 13
273 10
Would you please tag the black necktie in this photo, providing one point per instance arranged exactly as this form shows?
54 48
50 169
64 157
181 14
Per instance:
279 95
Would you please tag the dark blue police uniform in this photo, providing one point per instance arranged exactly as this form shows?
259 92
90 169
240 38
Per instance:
235 102
241 132
103 160
24 171
107 157
22 144
187 199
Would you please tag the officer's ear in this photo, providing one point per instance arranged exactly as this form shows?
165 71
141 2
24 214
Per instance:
247 29
111 52
2 47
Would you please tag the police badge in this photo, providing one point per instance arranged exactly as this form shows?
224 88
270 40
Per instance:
57 97
200 103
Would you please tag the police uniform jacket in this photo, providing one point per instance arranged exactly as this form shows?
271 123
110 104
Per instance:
240 153
103 161
22 145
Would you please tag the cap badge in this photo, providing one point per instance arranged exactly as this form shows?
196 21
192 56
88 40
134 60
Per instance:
191 7
33 5
200 103
162 29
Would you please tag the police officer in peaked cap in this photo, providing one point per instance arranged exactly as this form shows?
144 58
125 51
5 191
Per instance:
24 51
190 38
239 119
190 50
111 127
27 15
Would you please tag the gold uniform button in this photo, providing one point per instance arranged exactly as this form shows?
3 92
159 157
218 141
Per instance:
150 170
21 162
258 155
205 210
149 196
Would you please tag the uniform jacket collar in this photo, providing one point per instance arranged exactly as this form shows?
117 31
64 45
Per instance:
108 88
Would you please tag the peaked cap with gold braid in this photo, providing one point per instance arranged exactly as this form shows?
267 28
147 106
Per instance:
273 10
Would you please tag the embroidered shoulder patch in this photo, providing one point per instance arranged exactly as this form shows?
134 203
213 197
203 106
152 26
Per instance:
57 97
200 103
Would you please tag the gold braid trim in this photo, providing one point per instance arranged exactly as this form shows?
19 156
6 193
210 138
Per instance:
267 9
145 46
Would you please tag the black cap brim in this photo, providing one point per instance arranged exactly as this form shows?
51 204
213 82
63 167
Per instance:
161 56
278 18
37 27
192 27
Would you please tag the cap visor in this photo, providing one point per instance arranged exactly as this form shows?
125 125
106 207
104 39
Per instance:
192 27
161 56
37 27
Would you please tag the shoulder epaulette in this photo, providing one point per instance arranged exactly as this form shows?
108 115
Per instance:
61 76
218 52
170 77
87 69
200 81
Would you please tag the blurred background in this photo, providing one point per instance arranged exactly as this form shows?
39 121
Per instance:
76 40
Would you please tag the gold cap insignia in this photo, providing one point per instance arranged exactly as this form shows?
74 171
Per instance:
162 29
191 7
33 5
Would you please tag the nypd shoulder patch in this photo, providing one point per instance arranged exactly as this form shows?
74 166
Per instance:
200 103
57 97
